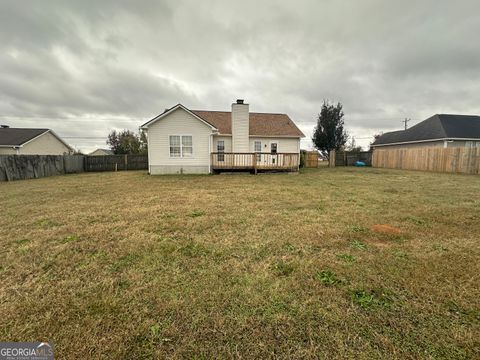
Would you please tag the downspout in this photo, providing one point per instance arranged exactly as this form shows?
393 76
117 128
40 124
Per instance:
210 141
148 151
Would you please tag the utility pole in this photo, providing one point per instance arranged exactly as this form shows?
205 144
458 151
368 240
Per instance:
406 122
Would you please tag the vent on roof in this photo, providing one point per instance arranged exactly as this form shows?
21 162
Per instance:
239 101
4 126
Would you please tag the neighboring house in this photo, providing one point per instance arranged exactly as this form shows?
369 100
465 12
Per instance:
440 130
23 141
101 152
198 141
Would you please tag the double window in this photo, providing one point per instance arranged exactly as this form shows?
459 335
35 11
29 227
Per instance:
181 146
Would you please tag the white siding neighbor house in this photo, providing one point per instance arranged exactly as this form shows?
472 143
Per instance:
183 141
24 141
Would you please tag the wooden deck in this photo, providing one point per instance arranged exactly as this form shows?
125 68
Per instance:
254 162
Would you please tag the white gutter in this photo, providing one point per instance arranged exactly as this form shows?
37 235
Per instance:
429 140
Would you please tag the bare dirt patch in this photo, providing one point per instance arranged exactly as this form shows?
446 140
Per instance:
385 229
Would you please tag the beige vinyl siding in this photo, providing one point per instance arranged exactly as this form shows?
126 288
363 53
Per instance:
179 122
45 144
240 127
285 145
227 141
7 151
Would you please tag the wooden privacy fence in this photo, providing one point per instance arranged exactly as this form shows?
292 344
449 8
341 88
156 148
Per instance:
311 159
21 167
451 160
349 158
116 162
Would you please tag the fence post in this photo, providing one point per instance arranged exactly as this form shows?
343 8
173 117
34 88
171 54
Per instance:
331 158
126 161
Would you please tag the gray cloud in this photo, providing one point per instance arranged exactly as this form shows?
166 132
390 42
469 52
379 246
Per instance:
85 67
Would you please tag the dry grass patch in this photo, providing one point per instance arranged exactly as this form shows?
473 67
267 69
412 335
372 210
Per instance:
125 265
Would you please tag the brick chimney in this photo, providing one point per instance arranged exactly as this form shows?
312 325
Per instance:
240 126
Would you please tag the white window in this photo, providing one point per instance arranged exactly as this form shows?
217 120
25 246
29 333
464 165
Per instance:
187 146
175 148
181 146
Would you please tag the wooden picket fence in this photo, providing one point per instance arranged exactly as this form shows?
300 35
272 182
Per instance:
451 160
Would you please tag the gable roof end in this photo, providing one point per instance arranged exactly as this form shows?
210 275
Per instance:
169 111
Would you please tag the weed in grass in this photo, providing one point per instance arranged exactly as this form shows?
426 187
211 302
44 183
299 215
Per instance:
283 268
357 244
69 238
440 247
196 213
46 223
327 277
156 334
414 220
289 247
367 299
358 229
22 242
155 331
193 249
362 298
346 257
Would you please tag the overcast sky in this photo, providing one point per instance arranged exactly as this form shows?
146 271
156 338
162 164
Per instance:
85 67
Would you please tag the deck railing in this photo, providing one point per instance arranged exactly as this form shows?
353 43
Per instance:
254 161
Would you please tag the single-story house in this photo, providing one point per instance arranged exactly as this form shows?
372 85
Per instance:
25 141
185 141
101 152
441 130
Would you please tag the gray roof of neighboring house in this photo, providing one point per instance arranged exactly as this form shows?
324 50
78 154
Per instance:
18 136
440 126
108 151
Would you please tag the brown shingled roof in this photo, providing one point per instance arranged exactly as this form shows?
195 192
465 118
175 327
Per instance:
261 124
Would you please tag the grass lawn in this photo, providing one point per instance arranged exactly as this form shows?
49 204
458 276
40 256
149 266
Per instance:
331 263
